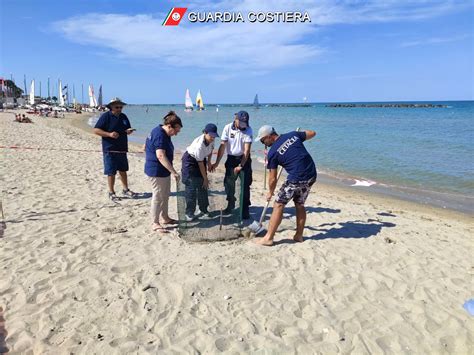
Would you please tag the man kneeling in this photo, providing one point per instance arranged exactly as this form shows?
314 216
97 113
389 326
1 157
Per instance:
288 151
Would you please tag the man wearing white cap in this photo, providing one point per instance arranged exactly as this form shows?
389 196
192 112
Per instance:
288 151
114 127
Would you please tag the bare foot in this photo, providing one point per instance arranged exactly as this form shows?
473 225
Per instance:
298 238
264 242
156 227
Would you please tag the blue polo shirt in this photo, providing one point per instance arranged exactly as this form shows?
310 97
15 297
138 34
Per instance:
109 122
158 139
289 152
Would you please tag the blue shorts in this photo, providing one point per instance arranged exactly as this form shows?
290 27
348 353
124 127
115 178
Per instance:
114 162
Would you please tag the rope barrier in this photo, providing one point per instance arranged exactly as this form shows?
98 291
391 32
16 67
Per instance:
78 150
15 147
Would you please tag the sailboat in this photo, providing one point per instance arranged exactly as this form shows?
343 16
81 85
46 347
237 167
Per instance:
199 103
188 103
61 96
99 101
255 102
32 92
92 100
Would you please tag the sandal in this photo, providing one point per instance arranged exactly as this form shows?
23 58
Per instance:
113 197
171 221
129 193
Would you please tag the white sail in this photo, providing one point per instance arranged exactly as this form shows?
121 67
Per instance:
188 103
199 102
61 96
32 92
92 100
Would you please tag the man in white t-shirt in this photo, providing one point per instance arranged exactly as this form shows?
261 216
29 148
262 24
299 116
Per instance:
236 141
194 171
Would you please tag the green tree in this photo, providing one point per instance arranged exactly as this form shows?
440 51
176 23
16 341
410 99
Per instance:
11 89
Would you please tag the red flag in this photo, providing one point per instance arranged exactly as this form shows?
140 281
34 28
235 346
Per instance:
175 16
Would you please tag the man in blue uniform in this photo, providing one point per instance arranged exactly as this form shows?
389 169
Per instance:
288 151
114 127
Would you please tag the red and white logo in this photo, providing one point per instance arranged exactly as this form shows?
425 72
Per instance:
175 16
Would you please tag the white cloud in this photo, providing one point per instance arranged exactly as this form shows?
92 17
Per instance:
233 47
227 46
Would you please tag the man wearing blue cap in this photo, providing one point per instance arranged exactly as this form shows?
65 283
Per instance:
236 140
194 171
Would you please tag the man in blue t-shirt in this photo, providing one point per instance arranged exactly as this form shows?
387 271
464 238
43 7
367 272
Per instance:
114 127
288 151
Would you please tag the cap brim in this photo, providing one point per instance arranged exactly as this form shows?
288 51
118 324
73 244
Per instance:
115 102
212 134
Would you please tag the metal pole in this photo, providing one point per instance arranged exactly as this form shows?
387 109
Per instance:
24 83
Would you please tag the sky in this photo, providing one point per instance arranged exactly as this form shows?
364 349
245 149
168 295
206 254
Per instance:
352 50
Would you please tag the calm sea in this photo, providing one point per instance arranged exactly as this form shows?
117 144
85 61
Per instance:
422 151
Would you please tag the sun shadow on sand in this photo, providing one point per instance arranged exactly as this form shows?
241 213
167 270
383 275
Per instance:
3 334
352 229
291 212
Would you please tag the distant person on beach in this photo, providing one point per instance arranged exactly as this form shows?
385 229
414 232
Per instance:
114 127
236 140
287 150
194 172
159 151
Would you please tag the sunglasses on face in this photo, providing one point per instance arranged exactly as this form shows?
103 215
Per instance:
118 107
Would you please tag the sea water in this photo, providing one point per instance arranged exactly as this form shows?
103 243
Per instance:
418 151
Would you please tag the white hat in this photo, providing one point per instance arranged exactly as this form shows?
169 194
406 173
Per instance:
264 131
115 100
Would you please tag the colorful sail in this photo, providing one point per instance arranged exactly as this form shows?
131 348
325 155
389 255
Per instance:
199 102
92 100
32 92
188 103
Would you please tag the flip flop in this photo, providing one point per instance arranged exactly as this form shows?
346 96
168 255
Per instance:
171 221
160 230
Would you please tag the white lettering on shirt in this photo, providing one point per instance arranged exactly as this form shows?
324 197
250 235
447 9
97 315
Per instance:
288 143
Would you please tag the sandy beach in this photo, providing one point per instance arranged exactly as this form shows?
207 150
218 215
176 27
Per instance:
80 274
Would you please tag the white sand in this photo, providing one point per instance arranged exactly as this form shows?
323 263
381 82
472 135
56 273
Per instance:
82 275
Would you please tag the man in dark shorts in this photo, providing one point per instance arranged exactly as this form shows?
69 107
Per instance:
114 127
288 151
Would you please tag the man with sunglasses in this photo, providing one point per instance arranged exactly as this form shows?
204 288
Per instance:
114 127
288 151
236 140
